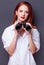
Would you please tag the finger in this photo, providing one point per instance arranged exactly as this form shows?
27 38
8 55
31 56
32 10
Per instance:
29 24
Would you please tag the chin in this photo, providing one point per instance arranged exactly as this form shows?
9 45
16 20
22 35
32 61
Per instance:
22 20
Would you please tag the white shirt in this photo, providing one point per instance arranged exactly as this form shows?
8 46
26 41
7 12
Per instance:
22 55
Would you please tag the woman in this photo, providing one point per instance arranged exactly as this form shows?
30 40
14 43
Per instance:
21 43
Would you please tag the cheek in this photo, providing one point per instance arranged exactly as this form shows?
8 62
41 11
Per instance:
18 15
26 16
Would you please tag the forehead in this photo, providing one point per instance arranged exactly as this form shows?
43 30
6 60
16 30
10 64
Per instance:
23 7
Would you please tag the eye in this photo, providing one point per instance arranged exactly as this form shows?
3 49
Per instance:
21 10
26 12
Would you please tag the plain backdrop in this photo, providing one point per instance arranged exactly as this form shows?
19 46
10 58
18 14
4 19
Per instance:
6 16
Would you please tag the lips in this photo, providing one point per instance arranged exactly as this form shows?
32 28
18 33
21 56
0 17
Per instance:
22 17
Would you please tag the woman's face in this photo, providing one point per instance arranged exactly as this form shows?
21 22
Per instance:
22 13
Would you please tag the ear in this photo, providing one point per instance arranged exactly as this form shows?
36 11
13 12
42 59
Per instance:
16 12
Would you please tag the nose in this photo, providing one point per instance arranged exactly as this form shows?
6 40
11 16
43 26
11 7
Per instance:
23 13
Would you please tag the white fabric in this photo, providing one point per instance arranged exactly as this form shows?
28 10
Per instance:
21 56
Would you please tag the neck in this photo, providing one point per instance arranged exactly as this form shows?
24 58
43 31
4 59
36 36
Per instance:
18 20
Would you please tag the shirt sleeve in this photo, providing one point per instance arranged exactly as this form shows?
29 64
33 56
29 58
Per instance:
36 38
6 38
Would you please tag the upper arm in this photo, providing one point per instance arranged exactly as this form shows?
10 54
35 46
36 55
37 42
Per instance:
36 38
6 38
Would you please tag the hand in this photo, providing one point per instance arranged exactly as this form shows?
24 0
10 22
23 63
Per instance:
16 32
28 31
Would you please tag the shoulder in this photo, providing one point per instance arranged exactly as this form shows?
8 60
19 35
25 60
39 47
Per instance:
35 31
9 27
34 28
7 30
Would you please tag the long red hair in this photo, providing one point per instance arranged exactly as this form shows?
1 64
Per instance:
30 17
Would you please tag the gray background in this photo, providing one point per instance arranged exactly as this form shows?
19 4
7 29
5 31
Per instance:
6 16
